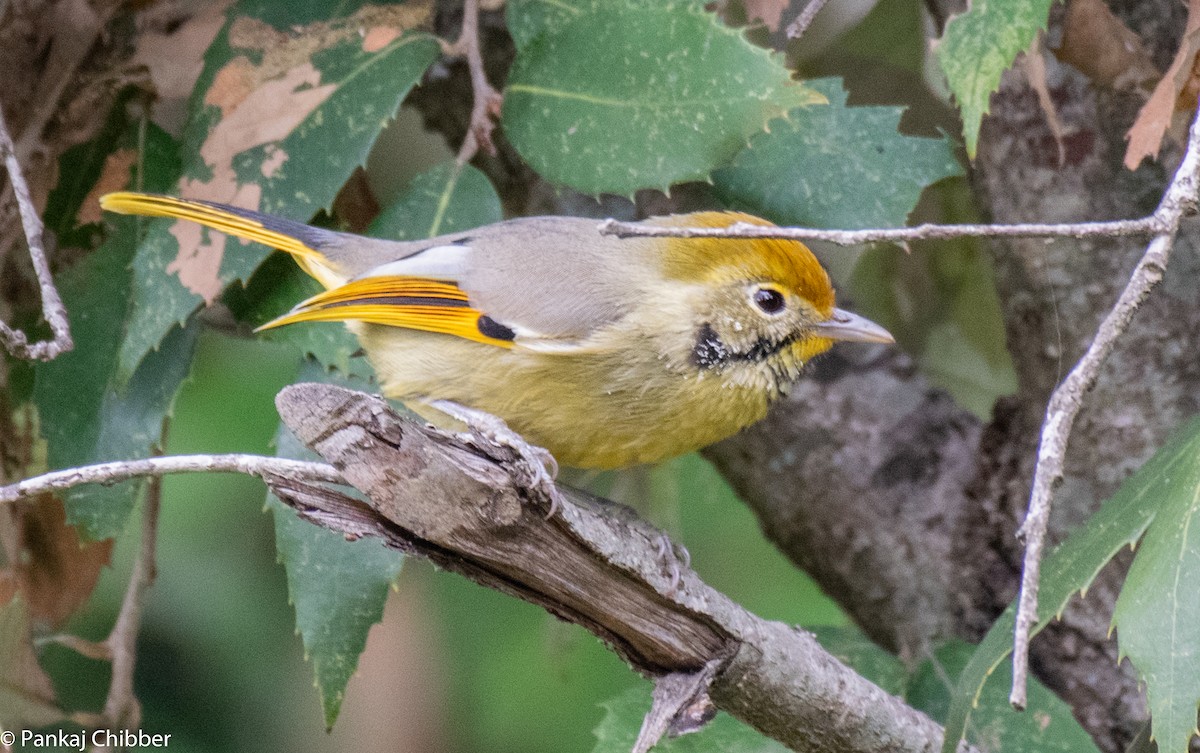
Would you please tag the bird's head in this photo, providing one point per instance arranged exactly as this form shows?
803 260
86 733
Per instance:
760 308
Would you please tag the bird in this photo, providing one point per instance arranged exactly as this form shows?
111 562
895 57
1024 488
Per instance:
606 351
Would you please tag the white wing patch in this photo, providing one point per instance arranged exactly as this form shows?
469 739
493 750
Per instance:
435 263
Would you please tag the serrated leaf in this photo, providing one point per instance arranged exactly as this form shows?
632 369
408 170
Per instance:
84 416
1072 565
1157 615
337 587
26 695
691 89
280 119
623 715
835 166
446 198
1046 726
978 46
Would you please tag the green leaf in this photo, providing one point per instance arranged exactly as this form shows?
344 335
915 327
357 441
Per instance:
1157 614
623 715
280 119
1046 726
979 45
835 166
528 18
84 415
691 89
79 170
277 286
26 695
447 198
1159 485
338 587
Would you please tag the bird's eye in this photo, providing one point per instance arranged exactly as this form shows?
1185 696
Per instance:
769 300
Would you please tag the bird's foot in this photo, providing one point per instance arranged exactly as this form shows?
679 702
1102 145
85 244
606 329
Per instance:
539 466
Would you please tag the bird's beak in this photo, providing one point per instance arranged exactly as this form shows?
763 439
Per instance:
843 325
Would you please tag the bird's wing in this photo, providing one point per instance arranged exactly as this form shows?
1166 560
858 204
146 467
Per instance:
546 283
541 283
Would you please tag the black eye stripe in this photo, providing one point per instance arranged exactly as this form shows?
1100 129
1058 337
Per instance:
769 300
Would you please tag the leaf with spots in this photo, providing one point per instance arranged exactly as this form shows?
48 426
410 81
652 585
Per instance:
1157 615
338 587
628 97
979 45
835 166
282 114
528 18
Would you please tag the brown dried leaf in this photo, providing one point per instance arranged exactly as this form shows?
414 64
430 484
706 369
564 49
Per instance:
53 572
268 113
1101 46
173 51
26 695
770 12
1146 135
114 176
1033 63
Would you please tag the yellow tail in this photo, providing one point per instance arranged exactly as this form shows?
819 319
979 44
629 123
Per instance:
300 240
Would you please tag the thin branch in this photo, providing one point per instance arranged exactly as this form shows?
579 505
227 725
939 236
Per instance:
796 28
1151 225
486 100
1180 199
52 306
121 707
266 468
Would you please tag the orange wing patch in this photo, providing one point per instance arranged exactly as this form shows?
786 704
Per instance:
409 302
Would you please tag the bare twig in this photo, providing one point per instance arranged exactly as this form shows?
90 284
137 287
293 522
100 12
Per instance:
486 104
796 28
121 707
52 306
266 468
1151 225
1180 199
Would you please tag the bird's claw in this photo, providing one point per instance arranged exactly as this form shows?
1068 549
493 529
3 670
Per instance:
538 466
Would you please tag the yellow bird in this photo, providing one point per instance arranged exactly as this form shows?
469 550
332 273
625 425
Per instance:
608 352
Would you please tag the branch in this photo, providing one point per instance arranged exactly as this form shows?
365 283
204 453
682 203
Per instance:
1151 225
1180 199
796 29
593 564
52 306
486 100
121 707
266 468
